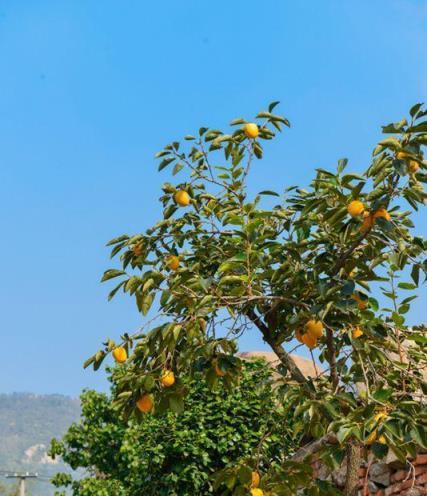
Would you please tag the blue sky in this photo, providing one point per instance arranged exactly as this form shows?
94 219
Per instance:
90 90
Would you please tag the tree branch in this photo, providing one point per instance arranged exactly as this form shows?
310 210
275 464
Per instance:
314 446
281 353
332 358
343 258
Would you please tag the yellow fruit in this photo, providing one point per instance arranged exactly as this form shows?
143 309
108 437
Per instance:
379 416
356 333
382 439
309 340
362 304
352 273
173 262
145 403
371 438
413 166
182 198
120 355
255 479
314 328
256 491
355 208
367 223
251 130
401 155
168 378
219 372
382 212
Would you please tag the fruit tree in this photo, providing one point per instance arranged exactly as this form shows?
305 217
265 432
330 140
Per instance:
317 266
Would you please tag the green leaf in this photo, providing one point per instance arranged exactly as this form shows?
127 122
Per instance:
419 435
149 383
147 301
383 394
177 168
244 474
398 319
379 450
406 285
176 403
414 110
343 434
112 293
118 240
268 192
415 274
88 362
111 273
273 105
165 162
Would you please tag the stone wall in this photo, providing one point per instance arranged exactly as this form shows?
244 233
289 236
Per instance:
388 478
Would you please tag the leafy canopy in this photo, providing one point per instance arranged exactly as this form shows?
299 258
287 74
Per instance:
243 265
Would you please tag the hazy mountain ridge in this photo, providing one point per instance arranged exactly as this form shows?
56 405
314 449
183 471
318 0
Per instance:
27 424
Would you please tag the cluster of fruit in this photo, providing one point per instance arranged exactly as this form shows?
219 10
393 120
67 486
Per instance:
167 379
183 199
356 209
313 331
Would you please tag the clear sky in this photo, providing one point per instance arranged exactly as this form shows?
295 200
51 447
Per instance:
90 90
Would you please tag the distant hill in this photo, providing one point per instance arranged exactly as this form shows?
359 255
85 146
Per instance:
27 424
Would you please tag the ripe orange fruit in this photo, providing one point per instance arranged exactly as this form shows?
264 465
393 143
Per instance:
413 166
367 223
137 250
256 491
355 208
309 340
145 403
298 335
382 212
251 130
362 304
314 328
120 355
255 479
182 198
168 378
219 372
356 333
173 262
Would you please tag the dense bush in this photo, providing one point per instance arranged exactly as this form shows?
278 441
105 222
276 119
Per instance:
174 454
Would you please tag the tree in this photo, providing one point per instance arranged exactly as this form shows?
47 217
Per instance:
174 454
219 264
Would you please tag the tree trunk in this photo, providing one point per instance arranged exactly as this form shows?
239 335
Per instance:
354 459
